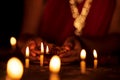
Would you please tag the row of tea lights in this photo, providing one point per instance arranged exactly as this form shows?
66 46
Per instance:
41 57
83 63
15 67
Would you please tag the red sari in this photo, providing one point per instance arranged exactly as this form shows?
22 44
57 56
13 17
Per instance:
57 21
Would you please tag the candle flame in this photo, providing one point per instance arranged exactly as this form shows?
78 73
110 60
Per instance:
42 47
14 68
55 64
83 54
27 51
95 53
13 41
47 49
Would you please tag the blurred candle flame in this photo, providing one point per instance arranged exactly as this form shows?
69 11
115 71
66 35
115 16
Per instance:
47 49
95 53
83 54
55 64
14 69
42 48
27 51
13 41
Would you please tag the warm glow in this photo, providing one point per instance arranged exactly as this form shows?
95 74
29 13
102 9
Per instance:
47 50
13 41
83 54
94 53
55 64
27 52
42 47
14 68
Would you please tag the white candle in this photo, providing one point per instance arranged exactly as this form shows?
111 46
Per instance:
95 58
27 53
95 63
55 64
27 62
83 63
83 66
42 54
14 69
54 77
41 59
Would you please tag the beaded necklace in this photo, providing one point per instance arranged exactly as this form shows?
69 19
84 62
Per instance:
80 18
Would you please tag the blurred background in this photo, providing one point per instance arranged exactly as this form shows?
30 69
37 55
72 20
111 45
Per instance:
10 20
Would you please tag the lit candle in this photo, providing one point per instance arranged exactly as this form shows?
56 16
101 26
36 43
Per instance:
54 67
27 52
95 58
55 64
47 49
27 57
14 69
83 54
13 42
83 63
42 54
95 54
42 48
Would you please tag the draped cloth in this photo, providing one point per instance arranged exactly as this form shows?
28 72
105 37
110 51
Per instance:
57 21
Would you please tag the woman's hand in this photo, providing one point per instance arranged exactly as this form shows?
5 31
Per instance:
72 47
34 47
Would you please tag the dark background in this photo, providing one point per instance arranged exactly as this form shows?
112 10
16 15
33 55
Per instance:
11 14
